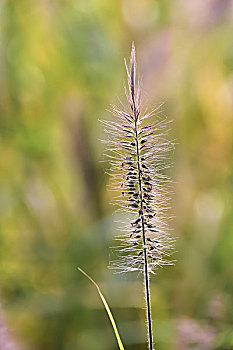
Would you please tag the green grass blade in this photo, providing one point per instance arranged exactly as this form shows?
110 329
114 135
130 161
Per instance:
114 326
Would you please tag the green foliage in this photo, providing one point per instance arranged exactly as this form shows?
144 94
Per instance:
109 313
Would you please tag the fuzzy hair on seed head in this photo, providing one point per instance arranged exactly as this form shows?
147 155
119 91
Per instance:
138 151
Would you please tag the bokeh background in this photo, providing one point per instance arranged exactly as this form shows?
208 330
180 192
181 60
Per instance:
61 66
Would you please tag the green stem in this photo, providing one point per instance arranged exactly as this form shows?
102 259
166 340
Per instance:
146 273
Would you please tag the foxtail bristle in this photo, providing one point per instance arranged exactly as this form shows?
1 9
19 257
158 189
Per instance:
138 151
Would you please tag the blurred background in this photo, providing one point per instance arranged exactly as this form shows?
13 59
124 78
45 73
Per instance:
61 66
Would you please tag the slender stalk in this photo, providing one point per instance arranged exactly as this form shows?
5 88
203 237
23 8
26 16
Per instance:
146 272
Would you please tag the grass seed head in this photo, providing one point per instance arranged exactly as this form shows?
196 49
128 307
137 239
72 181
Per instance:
138 149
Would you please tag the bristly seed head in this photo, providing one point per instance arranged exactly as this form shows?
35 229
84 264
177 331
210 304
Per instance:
138 149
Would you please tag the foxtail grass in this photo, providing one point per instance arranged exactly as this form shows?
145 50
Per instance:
138 151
